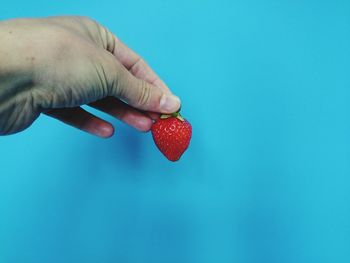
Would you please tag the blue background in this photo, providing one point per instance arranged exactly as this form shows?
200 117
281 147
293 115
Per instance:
266 85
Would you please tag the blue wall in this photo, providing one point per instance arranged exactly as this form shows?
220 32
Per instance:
266 85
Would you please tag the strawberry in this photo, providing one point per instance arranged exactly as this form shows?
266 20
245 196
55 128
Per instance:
172 135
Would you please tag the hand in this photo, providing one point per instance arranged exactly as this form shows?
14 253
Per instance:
55 65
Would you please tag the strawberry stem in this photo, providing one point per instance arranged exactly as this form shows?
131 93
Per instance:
165 116
175 115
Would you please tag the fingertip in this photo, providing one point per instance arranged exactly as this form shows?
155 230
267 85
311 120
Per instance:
105 131
169 103
143 124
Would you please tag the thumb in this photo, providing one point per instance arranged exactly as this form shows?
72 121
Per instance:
141 94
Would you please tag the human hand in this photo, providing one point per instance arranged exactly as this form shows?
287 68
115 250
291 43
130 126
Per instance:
55 65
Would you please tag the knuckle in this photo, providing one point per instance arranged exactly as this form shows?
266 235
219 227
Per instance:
109 40
88 21
106 38
145 93
93 29
137 66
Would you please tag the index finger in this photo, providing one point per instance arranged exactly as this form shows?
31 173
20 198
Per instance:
137 66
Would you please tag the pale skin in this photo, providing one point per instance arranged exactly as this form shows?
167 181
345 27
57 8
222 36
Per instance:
55 65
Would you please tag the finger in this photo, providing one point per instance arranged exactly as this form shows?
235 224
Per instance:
134 91
153 115
144 94
83 120
123 112
143 71
137 66
131 60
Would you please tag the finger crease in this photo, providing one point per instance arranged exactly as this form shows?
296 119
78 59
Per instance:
154 80
132 67
145 93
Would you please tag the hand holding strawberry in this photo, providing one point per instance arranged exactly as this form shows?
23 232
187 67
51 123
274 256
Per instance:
172 135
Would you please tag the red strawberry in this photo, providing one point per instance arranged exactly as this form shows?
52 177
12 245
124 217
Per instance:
172 135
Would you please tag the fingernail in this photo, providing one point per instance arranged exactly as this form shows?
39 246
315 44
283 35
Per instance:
169 103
